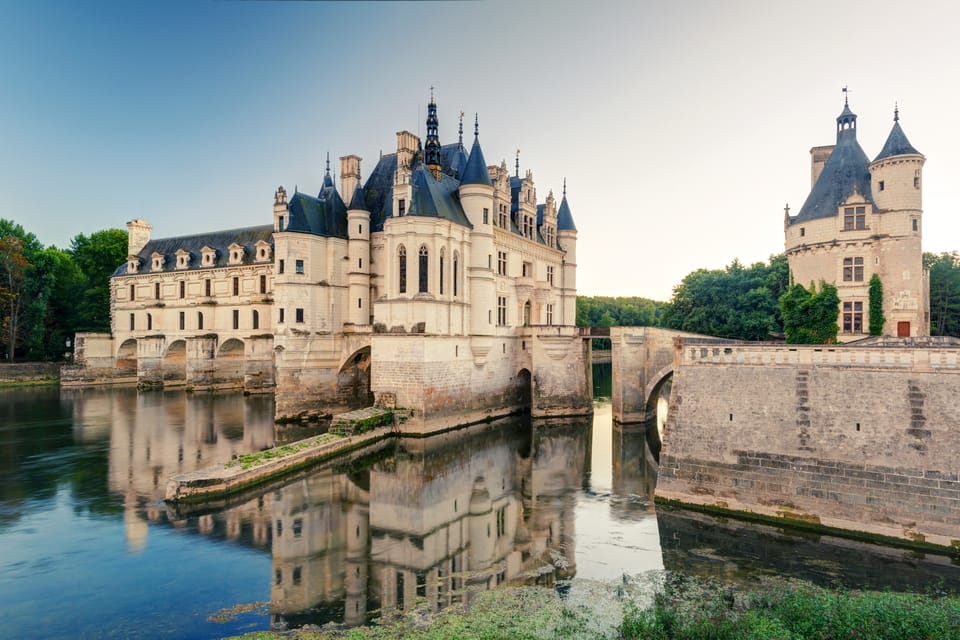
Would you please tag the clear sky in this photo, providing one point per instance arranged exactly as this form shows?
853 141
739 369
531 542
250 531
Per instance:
682 127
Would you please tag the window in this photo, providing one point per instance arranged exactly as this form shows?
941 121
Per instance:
183 321
402 207
156 290
280 223
359 263
916 182
456 274
881 185
200 320
441 270
502 263
299 266
527 270
133 294
183 289
854 218
489 261
359 303
803 232
501 522
853 269
502 219
549 314
550 274
916 227
526 313
299 315
207 286
236 286
486 215
853 317
297 571
501 310
263 284
132 323
402 258
423 266
149 322
280 321
297 527
280 270
360 229
236 318
256 319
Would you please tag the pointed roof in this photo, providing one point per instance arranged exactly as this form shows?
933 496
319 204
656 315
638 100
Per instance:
476 170
897 143
359 200
325 215
846 171
435 198
564 217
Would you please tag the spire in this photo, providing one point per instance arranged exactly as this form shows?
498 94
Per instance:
517 164
564 217
846 121
897 143
359 200
327 180
461 130
431 151
896 112
476 170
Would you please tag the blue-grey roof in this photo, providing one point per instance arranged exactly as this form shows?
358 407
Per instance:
379 191
435 198
846 170
359 199
897 144
564 217
323 216
476 170
219 240
454 159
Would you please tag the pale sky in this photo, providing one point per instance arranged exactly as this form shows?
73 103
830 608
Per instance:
682 127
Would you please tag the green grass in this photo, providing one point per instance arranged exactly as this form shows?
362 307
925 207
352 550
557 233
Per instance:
249 460
682 608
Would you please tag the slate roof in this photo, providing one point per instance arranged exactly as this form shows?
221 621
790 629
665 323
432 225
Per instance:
436 198
378 191
322 216
896 144
476 170
846 170
219 240
359 199
564 217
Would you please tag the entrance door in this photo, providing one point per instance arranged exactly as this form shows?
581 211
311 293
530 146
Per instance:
903 329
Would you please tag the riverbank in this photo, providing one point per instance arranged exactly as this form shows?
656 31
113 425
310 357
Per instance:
672 606
27 373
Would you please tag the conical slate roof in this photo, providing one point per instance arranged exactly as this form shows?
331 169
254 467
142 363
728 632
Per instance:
896 144
476 170
564 217
359 201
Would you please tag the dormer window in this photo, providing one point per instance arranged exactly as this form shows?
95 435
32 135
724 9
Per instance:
133 264
236 253
157 259
208 256
263 251
183 259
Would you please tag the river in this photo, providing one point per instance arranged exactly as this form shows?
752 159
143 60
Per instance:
88 548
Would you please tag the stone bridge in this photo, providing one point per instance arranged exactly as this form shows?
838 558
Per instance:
644 358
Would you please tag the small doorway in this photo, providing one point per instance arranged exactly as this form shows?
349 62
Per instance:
903 329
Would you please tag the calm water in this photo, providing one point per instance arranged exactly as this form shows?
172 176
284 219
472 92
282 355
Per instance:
88 549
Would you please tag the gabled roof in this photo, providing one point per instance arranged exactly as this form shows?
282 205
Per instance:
324 216
248 237
896 144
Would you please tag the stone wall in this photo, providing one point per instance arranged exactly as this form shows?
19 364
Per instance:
28 372
864 439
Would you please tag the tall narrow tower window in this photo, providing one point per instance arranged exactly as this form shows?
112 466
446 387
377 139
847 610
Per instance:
456 273
402 259
424 264
441 271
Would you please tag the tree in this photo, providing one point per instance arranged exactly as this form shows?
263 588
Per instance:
810 317
13 274
944 272
737 302
876 306
97 257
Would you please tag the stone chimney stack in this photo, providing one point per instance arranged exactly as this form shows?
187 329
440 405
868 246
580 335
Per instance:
138 235
349 176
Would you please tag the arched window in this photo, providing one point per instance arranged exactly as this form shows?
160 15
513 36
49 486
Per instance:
424 262
456 273
256 319
402 255
442 253
200 320
149 322
526 313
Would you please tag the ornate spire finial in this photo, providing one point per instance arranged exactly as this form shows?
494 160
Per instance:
786 209
564 187
476 125
328 163
461 128
896 112
517 164
845 95
431 94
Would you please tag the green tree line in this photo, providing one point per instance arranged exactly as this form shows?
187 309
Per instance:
48 294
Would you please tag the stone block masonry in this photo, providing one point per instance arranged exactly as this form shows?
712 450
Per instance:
862 439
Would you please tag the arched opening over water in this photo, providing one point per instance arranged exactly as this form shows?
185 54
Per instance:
353 380
175 364
127 356
230 359
658 407
523 389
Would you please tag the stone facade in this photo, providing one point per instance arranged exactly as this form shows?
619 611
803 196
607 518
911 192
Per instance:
439 285
863 218
858 438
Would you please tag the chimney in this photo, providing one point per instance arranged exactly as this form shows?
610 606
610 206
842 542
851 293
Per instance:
349 176
138 235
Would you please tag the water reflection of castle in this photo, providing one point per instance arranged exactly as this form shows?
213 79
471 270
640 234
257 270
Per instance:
425 520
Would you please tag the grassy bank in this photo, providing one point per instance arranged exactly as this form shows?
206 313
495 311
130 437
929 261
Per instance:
683 608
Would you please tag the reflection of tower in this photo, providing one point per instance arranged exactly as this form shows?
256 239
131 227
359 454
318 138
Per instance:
633 473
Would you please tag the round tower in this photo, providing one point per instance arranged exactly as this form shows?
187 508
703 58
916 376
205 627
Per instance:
896 173
358 273
567 240
476 197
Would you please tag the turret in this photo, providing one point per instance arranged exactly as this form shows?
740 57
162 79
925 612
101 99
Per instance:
138 235
476 197
280 218
431 150
407 144
896 173
358 232
567 240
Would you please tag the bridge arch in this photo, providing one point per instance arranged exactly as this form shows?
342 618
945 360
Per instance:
523 389
127 356
353 380
175 363
230 361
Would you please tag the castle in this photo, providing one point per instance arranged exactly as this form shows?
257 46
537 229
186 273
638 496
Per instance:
439 285
863 218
